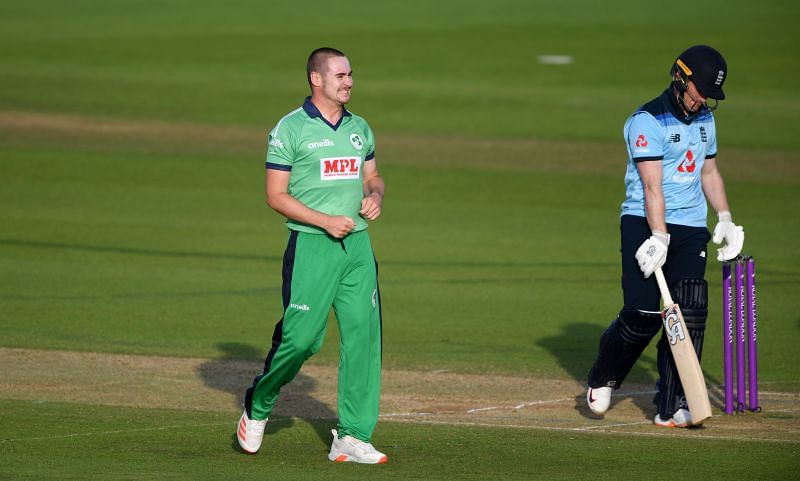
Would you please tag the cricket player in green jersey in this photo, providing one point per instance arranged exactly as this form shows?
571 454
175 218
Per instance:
321 174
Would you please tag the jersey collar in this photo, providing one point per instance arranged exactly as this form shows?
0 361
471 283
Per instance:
668 97
313 112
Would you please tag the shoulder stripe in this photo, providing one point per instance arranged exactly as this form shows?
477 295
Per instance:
274 166
284 118
644 159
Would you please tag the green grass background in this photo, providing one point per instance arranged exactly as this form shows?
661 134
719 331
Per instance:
499 239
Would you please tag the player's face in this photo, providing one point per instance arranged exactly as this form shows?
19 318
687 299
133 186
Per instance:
692 98
337 80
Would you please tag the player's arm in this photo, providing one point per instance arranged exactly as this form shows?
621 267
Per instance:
651 173
653 252
374 188
725 230
278 198
713 186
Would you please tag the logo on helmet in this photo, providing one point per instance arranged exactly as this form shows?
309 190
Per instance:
720 78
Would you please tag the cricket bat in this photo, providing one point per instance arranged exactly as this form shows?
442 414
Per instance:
694 385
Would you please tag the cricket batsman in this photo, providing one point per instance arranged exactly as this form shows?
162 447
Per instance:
321 174
671 176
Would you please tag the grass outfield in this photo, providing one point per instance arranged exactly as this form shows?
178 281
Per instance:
132 221
85 442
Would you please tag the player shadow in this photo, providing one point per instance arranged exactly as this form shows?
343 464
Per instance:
575 348
234 371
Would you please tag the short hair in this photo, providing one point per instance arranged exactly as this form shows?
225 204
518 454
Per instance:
317 59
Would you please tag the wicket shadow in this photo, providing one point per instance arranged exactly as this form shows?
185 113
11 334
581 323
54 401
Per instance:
575 349
234 371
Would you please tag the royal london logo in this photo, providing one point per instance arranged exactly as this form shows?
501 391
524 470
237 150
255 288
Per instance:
339 168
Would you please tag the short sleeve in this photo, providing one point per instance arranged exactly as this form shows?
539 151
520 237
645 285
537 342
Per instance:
369 142
645 138
712 140
280 149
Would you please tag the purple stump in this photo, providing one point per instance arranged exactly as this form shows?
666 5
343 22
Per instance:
739 287
752 358
727 337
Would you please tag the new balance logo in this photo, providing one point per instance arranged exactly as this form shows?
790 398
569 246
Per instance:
674 138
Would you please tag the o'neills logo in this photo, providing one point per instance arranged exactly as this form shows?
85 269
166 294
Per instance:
338 168
321 143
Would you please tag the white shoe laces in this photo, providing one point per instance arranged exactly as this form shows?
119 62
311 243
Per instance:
257 427
363 447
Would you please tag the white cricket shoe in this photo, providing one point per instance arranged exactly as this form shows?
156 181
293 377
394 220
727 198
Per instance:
350 449
681 419
599 398
250 433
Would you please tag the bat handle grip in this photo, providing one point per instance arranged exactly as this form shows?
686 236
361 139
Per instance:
662 286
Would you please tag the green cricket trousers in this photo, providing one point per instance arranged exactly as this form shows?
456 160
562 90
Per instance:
320 272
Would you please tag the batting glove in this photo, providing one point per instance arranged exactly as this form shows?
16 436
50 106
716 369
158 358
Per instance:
652 253
732 234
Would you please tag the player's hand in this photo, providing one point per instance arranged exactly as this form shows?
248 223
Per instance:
339 226
732 234
371 206
652 253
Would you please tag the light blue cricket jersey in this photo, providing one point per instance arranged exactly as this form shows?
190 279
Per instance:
658 130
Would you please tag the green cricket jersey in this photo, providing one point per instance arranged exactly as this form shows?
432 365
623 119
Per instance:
325 162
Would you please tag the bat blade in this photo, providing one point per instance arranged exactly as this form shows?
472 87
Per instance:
687 364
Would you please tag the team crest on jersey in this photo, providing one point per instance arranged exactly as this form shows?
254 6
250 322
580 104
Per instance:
355 139
339 168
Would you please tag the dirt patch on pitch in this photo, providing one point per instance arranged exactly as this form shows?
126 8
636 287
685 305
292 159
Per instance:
408 396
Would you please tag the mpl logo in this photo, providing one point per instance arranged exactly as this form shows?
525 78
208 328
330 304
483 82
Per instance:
688 164
672 326
339 168
641 141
